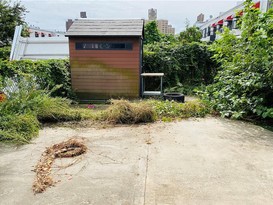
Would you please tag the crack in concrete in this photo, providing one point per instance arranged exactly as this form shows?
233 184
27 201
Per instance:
146 173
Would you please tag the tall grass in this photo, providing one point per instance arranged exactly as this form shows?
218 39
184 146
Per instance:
26 106
18 129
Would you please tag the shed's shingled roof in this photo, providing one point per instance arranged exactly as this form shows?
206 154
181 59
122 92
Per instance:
90 27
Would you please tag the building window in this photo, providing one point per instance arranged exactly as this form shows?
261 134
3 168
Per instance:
205 33
234 23
214 29
103 46
220 28
229 25
208 31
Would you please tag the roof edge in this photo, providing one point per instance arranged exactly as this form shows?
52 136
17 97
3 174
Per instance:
74 35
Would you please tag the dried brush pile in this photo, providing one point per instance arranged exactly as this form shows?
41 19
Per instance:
124 112
69 148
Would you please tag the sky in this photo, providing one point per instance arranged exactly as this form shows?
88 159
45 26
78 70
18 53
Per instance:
52 14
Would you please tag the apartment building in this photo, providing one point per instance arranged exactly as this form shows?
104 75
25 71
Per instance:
162 24
37 32
228 18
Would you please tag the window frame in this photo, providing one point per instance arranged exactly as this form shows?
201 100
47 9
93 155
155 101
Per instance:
103 46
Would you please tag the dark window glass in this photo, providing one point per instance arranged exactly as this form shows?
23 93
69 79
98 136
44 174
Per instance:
229 25
208 31
103 46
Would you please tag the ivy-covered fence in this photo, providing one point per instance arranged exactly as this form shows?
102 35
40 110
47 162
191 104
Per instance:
189 64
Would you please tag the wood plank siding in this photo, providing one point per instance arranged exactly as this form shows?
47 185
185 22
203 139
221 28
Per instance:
104 74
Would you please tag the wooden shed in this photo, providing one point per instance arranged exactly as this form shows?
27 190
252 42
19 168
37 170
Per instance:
106 58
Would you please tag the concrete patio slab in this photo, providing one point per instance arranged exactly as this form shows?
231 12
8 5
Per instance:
195 161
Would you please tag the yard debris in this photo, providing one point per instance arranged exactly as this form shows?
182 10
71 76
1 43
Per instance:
70 148
125 112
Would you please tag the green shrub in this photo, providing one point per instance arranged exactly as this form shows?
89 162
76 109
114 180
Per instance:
47 73
55 72
243 87
4 53
124 112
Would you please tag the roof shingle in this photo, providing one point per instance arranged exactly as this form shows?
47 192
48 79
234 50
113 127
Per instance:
89 27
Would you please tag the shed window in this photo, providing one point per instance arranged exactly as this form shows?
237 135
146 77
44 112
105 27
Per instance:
103 46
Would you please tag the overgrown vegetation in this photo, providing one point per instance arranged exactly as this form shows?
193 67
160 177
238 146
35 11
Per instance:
26 105
186 64
243 87
191 34
152 33
169 110
5 53
185 61
18 128
48 74
125 112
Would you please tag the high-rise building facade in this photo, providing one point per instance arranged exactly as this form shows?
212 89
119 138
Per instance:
162 24
152 14
170 30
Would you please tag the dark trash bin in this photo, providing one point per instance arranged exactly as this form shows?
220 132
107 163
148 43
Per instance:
174 96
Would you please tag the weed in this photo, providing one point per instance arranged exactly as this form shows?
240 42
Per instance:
167 110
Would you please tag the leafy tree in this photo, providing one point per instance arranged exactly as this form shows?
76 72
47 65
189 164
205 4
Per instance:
191 34
169 38
151 33
11 15
243 86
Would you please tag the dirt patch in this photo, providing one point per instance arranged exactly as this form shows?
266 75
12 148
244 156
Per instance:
70 148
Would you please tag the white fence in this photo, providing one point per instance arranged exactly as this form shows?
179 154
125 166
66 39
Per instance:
38 48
